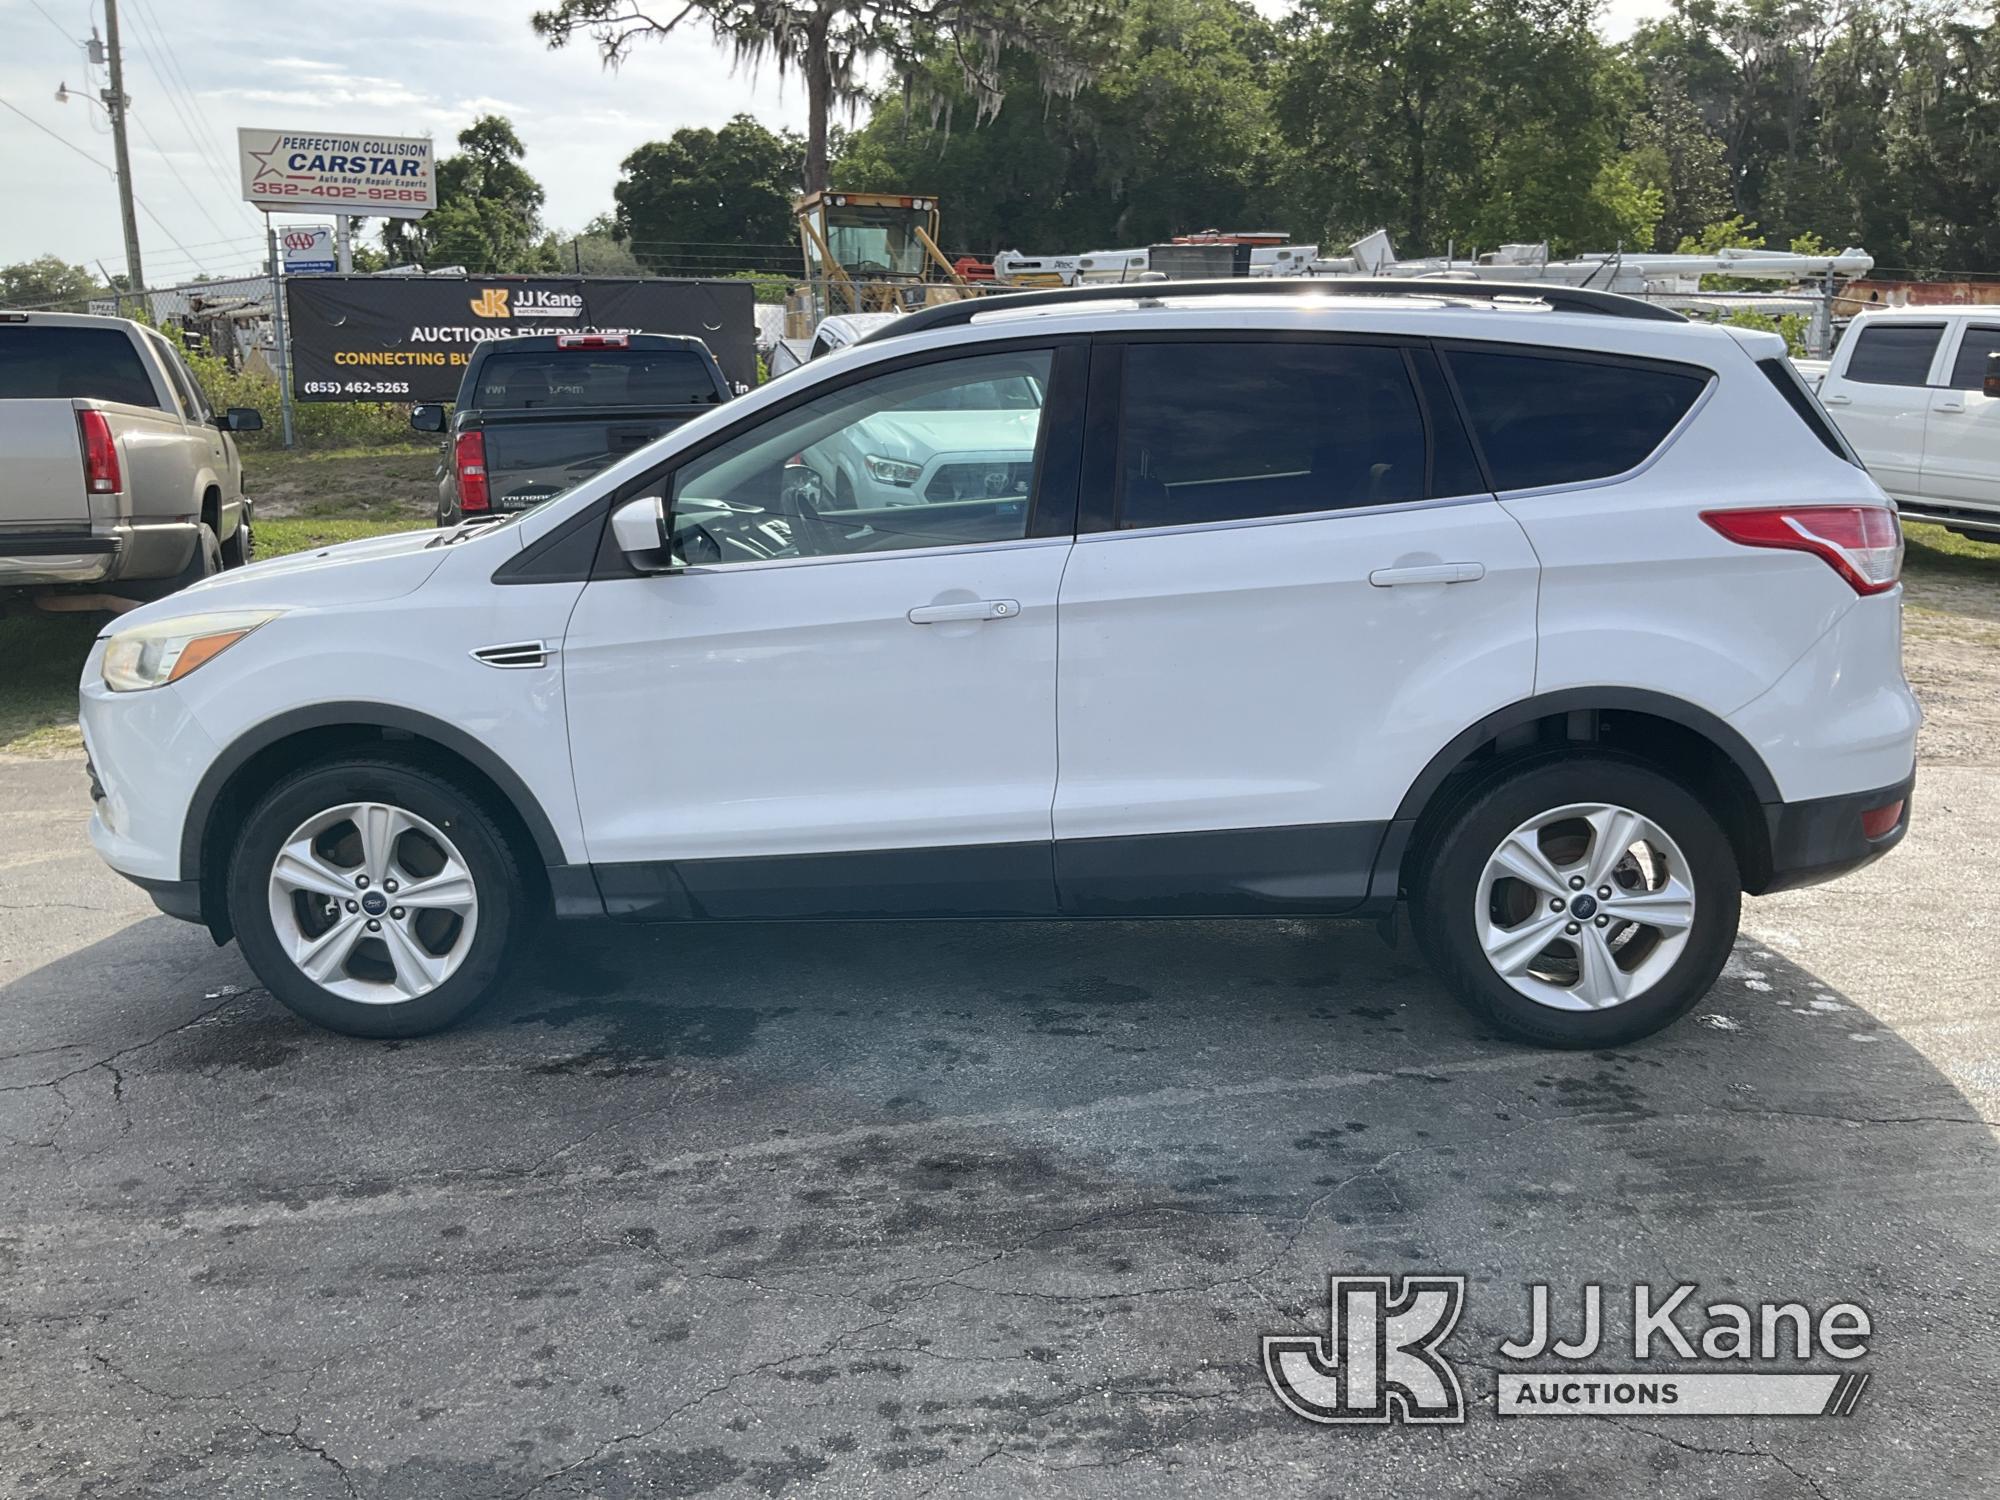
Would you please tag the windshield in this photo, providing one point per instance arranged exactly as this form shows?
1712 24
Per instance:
881 241
541 379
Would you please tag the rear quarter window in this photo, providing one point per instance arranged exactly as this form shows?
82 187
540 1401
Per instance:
55 363
1785 377
1544 419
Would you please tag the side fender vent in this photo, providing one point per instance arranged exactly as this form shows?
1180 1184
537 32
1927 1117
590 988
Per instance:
516 655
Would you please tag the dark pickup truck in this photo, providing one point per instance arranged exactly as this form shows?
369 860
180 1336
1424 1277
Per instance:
537 415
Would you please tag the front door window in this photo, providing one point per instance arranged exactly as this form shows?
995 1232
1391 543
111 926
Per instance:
934 455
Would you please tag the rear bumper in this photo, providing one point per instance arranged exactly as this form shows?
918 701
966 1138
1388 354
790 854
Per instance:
1823 839
55 559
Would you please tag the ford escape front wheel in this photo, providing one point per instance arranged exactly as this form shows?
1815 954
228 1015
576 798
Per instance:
1579 900
374 898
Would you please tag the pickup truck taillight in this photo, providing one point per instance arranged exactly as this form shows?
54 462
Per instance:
469 452
100 454
1862 543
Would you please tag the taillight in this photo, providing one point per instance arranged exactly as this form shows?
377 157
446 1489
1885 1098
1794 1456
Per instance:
470 455
100 454
1862 543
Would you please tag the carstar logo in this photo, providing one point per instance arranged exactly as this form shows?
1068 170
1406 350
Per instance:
1379 1361
491 303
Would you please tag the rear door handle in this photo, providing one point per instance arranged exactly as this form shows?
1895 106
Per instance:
977 609
1462 572
1949 406
1836 400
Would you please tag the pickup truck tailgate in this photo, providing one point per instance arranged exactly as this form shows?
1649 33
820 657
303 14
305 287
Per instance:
41 484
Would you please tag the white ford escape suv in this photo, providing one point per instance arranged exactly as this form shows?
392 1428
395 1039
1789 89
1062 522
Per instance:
1563 619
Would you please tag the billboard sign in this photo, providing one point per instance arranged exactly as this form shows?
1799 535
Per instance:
375 176
407 338
307 247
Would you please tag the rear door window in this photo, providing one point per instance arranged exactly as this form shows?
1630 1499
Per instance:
1968 369
1223 432
1893 353
1545 419
56 363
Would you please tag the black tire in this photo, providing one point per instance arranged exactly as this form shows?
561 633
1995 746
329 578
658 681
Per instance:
241 548
1453 851
204 562
433 796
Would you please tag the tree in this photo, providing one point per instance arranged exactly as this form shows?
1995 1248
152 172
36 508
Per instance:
488 216
1173 134
831 41
1470 120
48 283
1674 150
689 199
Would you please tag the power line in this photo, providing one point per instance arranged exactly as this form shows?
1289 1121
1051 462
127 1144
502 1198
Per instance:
169 74
105 168
55 23
161 152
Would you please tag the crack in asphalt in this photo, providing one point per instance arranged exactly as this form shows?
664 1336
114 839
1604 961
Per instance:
291 1435
122 1052
1709 1451
837 1341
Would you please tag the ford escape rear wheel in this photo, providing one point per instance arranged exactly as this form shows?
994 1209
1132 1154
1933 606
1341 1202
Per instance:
1579 900
374 898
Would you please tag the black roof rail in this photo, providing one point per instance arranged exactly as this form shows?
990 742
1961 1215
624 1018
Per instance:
1556 298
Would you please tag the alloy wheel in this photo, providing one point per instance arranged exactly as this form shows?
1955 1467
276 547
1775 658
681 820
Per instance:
373 903
1585 907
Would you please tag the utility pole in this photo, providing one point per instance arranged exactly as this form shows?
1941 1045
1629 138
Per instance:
115 104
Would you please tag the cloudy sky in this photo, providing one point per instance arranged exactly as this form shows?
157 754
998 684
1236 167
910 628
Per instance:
197 69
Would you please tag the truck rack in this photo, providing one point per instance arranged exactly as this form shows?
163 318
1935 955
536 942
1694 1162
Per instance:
1555 298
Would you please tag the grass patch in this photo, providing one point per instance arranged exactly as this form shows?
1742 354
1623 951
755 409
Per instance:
1932 547
303 533
45 652
343 482
45 655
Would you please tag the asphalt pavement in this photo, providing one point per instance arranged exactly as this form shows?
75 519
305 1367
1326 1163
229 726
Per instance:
962 1209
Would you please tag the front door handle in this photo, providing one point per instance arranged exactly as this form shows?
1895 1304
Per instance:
1836 401
1460 572
976 609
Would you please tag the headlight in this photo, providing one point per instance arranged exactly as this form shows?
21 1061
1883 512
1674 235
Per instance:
166 651
894 470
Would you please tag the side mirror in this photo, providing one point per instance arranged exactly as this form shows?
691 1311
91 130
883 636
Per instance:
1991 385
428 417
242 419
639 527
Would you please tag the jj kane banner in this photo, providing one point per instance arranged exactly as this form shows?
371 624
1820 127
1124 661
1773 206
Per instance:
407 338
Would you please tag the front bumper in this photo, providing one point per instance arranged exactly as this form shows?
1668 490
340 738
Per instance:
146 757
1821 840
